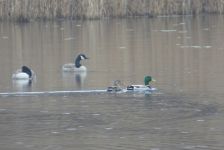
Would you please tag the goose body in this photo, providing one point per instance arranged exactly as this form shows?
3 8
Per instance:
72 68
20 76
77 66
24 73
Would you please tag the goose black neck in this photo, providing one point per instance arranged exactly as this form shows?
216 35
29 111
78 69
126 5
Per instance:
77 62
27 70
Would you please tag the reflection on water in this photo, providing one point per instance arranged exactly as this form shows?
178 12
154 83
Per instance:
78 78
22 85
184 55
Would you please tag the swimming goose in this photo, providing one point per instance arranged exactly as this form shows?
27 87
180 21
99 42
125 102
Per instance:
75 67
145 87
24 73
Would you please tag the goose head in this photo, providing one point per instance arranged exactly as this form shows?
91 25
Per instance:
78 60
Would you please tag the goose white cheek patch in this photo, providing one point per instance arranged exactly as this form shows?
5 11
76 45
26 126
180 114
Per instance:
82 57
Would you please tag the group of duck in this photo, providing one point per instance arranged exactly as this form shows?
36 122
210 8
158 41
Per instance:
27 74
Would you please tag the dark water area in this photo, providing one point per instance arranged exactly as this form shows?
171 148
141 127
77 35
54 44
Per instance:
183 54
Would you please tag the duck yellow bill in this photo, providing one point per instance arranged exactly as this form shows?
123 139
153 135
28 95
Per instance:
153 80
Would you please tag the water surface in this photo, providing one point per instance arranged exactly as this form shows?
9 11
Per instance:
184 55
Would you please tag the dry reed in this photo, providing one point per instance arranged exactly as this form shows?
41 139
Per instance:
25 10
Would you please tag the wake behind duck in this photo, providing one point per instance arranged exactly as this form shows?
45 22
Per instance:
116 88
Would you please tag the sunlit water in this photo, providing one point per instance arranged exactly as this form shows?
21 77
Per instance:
184 55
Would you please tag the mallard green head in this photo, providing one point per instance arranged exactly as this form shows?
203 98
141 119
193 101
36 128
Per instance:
148 79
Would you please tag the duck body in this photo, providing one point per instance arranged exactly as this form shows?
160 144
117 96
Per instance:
77 66
116 87
132 88
139 88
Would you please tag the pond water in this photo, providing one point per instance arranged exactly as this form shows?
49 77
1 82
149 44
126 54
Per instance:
184 55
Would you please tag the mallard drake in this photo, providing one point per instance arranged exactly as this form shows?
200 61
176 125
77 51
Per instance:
145 87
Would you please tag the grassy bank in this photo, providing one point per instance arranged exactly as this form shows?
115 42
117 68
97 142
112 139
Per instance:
25 10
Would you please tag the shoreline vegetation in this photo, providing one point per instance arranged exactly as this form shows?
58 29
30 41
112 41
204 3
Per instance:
27 10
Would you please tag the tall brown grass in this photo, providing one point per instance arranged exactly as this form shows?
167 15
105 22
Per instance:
25 10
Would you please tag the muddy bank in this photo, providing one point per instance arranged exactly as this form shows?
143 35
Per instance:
25 10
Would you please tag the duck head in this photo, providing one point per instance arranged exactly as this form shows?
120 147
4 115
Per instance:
27 70
78 60
148 79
